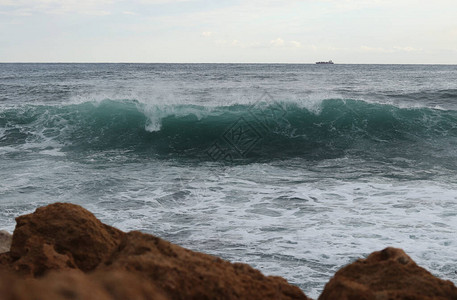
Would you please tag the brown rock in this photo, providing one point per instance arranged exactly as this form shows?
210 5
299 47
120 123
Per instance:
387 274
61 236
74 284
184 274
5 241
126 285
72 255
67 285
62 244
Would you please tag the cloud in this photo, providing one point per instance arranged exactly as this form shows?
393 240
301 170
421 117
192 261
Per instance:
278 42
29 7
207 33
295 44
18 13
8 2
389 49
161 1
375 49
268 30
97 12
252 44
407 49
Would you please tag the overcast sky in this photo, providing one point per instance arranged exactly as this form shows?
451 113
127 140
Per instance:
271 31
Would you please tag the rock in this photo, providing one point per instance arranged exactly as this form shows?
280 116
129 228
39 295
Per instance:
387 274
124 285
184 274
66 253
61 236
74 284
5 241
61 251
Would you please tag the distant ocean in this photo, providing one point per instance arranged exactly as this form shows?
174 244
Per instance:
294 169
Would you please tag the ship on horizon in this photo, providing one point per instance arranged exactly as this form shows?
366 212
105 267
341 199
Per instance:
330 62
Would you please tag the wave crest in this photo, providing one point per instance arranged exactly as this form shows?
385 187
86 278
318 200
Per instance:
334 128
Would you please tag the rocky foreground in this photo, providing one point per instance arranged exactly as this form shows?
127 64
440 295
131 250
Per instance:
62 251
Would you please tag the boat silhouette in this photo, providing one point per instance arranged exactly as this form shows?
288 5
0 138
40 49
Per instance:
330 62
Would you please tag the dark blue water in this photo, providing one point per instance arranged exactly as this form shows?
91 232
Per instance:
295 169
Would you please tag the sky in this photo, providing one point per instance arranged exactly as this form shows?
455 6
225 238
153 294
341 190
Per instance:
229 31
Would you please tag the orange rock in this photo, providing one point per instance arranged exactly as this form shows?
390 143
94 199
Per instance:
125 285
62 251
184 274
74 284
387 274
60 236
71 253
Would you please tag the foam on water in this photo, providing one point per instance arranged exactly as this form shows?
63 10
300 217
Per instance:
296 223
326 129
366 158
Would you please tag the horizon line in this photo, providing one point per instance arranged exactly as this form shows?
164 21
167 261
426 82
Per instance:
227 63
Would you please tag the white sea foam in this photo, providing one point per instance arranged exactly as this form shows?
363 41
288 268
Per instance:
53 152
290 221
296 218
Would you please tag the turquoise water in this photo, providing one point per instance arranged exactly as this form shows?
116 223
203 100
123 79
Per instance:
294 169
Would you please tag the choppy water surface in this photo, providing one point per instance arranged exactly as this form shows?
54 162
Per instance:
294 169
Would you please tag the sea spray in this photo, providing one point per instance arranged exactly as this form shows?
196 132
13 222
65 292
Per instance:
337 128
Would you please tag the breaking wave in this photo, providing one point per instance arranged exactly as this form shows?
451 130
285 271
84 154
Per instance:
332 128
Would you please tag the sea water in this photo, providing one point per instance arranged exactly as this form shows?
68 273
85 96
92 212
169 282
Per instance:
296 170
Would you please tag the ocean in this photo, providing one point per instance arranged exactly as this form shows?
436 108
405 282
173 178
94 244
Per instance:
296 170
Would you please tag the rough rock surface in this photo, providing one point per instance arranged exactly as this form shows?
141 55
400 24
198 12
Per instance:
61 236
387 274
74 284
185 274
5 241
62 251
